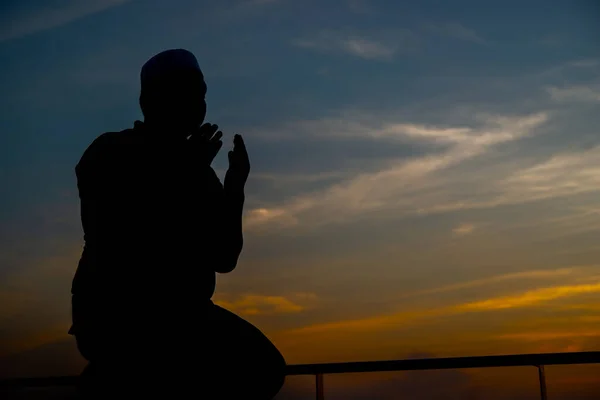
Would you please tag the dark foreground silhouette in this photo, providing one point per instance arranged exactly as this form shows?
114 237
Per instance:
158 225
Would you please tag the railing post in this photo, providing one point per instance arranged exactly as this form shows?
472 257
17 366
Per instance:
320 392
542 376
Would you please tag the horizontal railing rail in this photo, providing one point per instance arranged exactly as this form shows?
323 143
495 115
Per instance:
513 360
318 370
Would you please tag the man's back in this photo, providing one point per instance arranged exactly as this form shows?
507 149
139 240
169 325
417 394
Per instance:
148 210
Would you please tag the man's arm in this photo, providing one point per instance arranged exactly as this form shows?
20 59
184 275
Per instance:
229 239
230 228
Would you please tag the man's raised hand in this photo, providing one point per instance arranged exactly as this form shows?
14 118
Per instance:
239 166
207 142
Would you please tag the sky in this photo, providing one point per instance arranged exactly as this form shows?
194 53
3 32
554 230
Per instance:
425 176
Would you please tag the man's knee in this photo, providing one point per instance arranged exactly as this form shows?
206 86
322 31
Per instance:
277 380
261 365
273 371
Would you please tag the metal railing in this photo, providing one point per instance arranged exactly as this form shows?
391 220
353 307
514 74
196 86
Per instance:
319 370
518 360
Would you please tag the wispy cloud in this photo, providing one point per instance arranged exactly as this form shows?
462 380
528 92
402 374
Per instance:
278 216
370 47
530 298
252 304
552 40
585 63
404 186
259 2
463 229
356 46
539 336
454 30
21 20
536 275
525 299
360 7
577 93
564 174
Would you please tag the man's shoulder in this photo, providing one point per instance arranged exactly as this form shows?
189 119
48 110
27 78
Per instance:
106 146
112 140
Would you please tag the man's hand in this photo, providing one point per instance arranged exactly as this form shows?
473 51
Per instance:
239 166
207 142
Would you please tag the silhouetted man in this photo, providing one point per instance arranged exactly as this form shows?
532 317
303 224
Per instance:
158 225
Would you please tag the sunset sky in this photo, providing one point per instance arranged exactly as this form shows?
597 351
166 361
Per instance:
425 175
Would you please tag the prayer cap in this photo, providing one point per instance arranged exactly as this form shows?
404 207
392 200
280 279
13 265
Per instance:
167 64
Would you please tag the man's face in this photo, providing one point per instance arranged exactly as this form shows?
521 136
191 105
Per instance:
189 99
181 100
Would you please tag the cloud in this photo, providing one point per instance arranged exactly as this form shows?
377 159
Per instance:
552 40
518 276
356 46
563 174
565 71
463 229
585 63
405 186
545 335
454 30
23 21
576 93
259 2
361 7
380 47
595 308
531 297
259 216
375 323
524 299
368 49
461 167
252 304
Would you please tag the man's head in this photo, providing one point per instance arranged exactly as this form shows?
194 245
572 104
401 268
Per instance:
173 90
